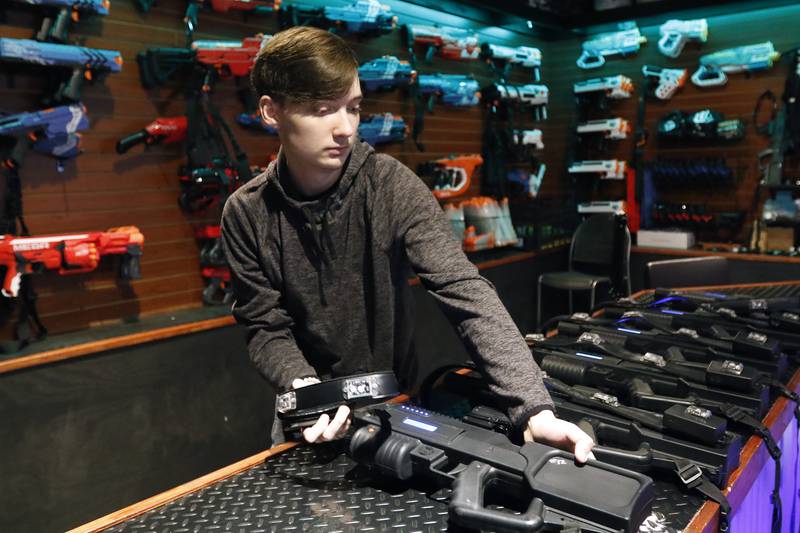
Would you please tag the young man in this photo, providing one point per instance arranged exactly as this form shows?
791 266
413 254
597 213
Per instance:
321 246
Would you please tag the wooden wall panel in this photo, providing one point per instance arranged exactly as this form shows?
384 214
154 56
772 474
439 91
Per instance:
101 189
736 99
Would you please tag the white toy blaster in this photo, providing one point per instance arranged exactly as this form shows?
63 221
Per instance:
676 33
524 56
614 87
669 80
609 169
750 58
616 207
610 128
529 138
624 43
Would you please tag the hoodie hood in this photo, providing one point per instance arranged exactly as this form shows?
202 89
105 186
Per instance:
318 213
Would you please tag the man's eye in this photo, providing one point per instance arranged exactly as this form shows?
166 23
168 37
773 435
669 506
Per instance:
355 110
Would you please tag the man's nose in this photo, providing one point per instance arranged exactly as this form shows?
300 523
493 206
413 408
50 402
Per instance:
344 125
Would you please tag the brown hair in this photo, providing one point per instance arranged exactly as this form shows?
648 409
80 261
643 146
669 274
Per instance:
304 65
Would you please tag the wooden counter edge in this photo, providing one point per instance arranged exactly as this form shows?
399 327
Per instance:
165 497
90 348
752 459
763 258
136 509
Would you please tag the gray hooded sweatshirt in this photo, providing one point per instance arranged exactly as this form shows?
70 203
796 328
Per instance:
322 284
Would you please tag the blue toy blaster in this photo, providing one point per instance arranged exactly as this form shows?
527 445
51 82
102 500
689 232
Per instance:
385 72
56 28
53 131
382 128
361 16
453 89
625 42
750 58
85 63
253 121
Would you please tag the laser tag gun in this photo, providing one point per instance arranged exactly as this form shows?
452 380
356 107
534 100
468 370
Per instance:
55 28
85 63
625 42
676 33
741 303
408 443
665 82
163 130
382 128
447 42
224 58
254 7
302 406
69 254
608 169
703 124
751 58
525 56
357 17
531 182
686 344
610 128
451 175
452 89
385 72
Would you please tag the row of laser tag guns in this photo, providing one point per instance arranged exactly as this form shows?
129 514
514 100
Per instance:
675 34
671 388
691 172
666 214
481 222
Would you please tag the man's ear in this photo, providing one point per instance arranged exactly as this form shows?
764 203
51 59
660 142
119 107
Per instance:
269 110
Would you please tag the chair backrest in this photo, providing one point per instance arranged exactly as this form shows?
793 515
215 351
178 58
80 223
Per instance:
687 272
602 245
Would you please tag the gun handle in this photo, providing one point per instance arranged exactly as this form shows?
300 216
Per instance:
12 280
126 143
467 508
589 60
71 90
671 44
130 264
707 76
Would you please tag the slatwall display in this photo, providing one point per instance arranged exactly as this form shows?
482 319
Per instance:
101 189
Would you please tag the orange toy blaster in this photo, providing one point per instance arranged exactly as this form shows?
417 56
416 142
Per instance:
69 254
452 175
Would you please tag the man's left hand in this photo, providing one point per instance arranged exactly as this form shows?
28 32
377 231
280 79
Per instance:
545 428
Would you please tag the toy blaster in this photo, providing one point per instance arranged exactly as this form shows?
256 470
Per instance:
609 169
85 63
703 124
55 28
626 42
385 72
614 207
529 138
449 43
223 58
750 58
530 95
254 7
676 33
165 130
407 443
664 82
252 121
359 17
610 128
452 89
523 56
613 87
451 175
201 186
531 182
52 131
69 254
382 128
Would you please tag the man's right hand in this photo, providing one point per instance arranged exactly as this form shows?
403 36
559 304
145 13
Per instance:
325 429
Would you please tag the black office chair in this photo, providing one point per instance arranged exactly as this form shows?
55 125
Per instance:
599 254
687 272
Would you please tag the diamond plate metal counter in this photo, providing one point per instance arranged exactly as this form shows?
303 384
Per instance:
307 488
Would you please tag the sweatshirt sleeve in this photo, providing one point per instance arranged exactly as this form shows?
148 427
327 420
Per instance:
469 301
257 306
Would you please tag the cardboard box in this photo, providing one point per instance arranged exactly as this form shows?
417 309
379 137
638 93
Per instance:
678 239
779 238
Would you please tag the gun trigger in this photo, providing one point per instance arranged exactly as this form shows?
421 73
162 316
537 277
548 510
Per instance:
75 16
88 75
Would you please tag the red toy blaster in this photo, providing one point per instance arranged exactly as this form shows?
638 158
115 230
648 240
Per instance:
69 254
230 58
163 130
